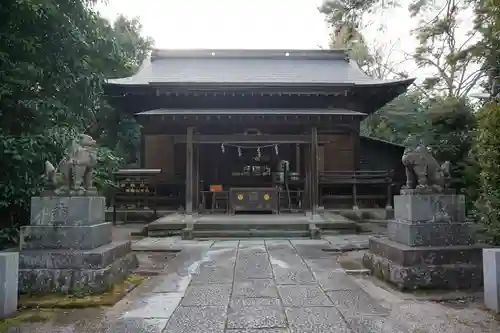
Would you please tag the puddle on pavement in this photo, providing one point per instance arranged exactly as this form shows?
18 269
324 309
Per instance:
153 262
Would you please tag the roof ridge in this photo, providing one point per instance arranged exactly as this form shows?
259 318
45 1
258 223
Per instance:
312 54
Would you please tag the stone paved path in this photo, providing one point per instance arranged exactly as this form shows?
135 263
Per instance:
271 286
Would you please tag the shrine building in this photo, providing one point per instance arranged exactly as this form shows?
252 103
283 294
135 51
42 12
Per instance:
259 131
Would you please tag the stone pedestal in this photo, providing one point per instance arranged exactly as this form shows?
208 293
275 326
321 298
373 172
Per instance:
429 244
9 263
68 248
491 269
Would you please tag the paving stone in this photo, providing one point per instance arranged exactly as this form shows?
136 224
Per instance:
137 326
253 302
335 280
227 263
303 296
160 306
316 320
265 330
171 283
286 276
312 251
197 320
213 275
370 324
256 317
250 243
323 264
353 303
224 244
256 267
209 295
277 243
315 242
255 288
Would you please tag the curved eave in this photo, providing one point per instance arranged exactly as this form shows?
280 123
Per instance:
124 84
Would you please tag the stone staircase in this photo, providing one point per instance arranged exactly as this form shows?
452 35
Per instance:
247 226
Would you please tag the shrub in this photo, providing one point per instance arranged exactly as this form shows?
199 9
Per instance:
487 150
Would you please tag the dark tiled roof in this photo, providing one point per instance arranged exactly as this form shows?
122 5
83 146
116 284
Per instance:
274 67
314 112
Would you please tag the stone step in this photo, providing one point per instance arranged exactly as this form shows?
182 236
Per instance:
251 233
262 226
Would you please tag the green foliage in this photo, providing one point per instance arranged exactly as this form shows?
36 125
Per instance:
452 123
487 149
55 55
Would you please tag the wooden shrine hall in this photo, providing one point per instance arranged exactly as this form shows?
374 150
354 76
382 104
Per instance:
257 131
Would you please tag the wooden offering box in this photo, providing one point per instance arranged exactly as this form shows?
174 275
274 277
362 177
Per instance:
253 199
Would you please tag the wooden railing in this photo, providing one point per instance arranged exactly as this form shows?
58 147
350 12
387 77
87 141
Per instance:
355 179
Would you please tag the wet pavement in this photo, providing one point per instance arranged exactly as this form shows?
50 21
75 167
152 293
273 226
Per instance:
264 286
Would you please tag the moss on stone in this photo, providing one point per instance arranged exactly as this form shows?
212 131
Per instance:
66 301
26 316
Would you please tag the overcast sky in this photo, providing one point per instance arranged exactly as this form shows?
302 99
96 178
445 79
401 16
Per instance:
281 24
254 24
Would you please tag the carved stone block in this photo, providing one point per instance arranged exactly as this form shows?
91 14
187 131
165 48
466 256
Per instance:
68 211
430 207
65 237
431 233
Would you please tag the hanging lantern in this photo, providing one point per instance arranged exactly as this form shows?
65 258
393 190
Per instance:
222 148
258 152
239 152
276 151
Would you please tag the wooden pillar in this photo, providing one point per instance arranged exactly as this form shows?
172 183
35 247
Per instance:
306 201
297 158
142 150
356 149
189 170
356 164
314 170
197 189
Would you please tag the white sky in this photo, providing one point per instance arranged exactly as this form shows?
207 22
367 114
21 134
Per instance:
254 24
248 24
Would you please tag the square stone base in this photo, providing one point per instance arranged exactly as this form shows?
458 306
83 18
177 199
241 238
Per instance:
440 267
61 210
431 233
65 237
95 271
432 207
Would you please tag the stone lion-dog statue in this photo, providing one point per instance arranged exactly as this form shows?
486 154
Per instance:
423 172
74 173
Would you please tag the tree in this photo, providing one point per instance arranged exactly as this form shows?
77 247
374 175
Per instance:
54 55
446 46
487 151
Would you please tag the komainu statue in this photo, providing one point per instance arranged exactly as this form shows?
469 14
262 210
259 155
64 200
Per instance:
74 172
423 170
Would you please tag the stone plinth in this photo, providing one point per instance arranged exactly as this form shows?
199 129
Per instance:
431 234
426 267
9 264
67 211
431 207
68 248
491 269
429 244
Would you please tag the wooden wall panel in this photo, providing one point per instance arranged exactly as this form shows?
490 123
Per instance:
159 154
338 154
